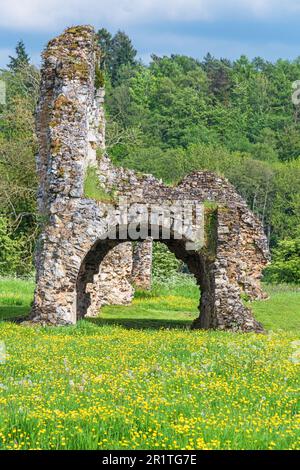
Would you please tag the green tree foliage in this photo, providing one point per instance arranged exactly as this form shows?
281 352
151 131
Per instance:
117 51
164 262
18 181
21 60
105 43
286 262
12 260
218 73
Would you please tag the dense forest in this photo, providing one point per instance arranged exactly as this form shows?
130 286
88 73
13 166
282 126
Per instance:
171 117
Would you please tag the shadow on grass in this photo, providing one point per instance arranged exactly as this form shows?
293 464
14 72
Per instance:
141 323
15 313
18 314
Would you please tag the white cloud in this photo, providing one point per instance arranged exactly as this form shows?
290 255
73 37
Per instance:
48 15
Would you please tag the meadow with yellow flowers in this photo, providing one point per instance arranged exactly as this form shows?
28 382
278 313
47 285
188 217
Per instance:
138 378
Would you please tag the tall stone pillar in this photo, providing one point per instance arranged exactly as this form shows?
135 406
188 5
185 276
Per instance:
142 264
70 129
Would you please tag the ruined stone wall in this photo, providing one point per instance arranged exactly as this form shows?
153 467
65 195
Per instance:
235 221
68 116
241 246
74 252
112 284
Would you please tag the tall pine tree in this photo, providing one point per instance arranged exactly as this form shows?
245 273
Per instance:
21 59
116 52
123 53
105 43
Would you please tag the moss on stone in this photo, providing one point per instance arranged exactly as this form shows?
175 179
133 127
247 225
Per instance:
61 102
74 30
92 188
77 70
210 205
210 230
55 147
61 172
79 30
99 77
53 123
73 65
100 153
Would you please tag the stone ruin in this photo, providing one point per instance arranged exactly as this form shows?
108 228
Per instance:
80 267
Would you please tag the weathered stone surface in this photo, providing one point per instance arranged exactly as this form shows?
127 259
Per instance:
79 268
112 285
141 274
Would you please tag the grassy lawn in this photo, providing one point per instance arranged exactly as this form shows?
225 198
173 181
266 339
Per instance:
15 297
281 311
138 378
163 307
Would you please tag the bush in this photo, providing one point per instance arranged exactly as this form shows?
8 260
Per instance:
165 263
286 263
11 251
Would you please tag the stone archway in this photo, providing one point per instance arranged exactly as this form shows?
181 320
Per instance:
71 127
198 264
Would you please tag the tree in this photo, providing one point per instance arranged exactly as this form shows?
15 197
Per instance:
165 264
11 250
289 143
219 76
21 59
18 183
105 43
286 262
116 52
122 53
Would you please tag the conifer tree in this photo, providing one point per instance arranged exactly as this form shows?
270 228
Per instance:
21 59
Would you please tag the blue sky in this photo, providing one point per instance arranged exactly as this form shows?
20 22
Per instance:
225 28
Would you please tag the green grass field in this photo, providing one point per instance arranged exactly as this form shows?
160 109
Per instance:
137 377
